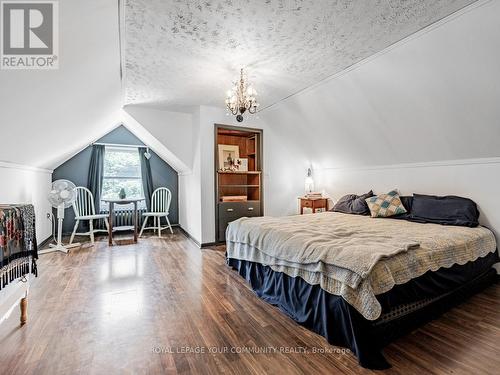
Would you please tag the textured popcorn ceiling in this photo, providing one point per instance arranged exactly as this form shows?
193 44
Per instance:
186 53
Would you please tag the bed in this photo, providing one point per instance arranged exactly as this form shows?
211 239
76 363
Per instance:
359 281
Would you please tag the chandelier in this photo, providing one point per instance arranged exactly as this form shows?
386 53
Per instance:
241 98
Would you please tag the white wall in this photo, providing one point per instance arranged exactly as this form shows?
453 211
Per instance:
432 97
190 187
47 115
154 130
21 184
173 129
477 179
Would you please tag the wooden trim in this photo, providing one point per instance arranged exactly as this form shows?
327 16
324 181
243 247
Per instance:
240 128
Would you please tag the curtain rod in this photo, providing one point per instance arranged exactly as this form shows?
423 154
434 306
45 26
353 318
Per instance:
118 145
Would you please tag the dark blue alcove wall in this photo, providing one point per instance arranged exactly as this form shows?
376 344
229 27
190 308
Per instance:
76 170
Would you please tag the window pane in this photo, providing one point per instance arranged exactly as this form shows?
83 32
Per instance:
122 169
122 162
111 187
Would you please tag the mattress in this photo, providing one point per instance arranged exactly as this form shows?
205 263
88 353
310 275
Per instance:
352 256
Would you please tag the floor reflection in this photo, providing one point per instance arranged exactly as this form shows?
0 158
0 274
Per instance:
122 266
122 277
116 306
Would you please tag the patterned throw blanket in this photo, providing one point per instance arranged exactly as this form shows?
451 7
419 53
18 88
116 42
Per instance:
18 247
353 256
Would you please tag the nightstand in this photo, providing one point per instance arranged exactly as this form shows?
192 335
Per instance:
313 203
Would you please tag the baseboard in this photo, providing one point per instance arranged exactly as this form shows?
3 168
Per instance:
208 244
200 245
45 242
188 235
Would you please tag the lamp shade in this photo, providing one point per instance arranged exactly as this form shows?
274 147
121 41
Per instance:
309 182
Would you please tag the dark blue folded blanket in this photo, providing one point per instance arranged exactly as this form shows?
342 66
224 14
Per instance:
447 210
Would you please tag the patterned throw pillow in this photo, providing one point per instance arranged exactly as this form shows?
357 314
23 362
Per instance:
386 205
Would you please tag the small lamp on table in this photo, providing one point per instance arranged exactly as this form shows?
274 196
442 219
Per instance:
309 182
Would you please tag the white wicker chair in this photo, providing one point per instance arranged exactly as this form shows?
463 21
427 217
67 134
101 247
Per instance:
85 210
160 204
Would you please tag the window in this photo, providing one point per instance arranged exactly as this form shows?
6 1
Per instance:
122 169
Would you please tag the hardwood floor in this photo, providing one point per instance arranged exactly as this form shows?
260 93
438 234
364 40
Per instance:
163 305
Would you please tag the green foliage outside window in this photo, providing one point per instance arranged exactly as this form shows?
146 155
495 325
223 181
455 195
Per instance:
122 169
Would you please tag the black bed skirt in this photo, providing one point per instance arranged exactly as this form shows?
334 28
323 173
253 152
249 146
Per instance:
333 318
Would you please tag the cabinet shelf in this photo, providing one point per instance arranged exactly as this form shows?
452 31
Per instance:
239 186
247 201
246 172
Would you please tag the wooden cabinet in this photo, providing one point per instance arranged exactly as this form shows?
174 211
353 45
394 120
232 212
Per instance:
313 203
230 211
238 193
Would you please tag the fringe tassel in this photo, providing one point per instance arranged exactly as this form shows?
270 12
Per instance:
16 270
34 268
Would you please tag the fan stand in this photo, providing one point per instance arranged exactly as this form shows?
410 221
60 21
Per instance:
60 246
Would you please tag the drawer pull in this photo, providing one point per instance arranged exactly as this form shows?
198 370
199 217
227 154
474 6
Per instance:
230 210
250 208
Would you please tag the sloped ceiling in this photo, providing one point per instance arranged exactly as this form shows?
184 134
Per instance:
46 116
186 53
435 97
183 53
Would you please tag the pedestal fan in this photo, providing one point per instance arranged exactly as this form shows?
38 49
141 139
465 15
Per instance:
61 196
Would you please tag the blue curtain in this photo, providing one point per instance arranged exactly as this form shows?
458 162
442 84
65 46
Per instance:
147 177
96 171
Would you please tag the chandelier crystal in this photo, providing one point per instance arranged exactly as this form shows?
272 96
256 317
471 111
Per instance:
242 98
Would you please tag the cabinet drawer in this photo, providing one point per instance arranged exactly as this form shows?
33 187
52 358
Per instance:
307 203
236 210
230 211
